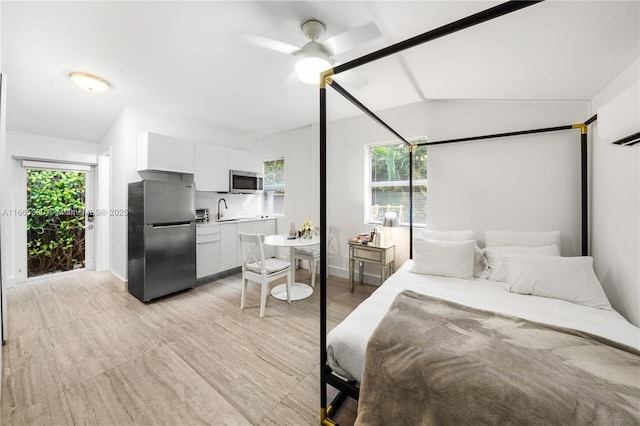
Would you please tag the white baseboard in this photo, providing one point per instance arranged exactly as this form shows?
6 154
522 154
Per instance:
9 281
344 273
123 285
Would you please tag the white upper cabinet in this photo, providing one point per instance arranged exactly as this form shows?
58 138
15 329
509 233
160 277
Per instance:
211 168
246 161
212 165
164 153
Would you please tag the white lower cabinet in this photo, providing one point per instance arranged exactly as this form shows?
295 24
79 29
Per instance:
269 229
266 227
229 236
220 250
247 228
208 248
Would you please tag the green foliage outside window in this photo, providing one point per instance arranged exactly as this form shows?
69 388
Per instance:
274 173
55 221
273 195
389 182
391 163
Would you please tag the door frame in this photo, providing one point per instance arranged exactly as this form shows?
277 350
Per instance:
103 216
21 219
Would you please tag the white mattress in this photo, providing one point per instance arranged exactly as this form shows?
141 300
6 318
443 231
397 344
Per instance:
347 342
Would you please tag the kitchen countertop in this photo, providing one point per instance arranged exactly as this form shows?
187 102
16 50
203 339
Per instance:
236 220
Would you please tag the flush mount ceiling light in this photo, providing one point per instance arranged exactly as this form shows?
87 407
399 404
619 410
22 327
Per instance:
89 82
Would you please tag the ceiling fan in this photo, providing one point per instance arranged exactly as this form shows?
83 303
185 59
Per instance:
315 57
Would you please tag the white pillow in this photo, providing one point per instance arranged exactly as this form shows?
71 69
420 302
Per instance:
427 234
525 239
494 270
445 258
566 278
479 262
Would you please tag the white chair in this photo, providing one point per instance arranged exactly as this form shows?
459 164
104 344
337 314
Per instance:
258 269
312 255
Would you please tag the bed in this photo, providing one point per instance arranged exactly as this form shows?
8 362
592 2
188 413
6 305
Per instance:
347 342
427 349
371 340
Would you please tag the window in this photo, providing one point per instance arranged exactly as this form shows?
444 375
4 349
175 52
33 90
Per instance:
388 183
273 195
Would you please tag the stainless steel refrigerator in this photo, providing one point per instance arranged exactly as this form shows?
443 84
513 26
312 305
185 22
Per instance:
161 238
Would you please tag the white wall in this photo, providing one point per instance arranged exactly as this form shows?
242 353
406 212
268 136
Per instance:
615 238
238 205
524 183
121 138
301 174
518 183
122 158
36 147
48 148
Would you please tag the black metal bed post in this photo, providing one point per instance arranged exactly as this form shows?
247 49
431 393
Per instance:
584 187
323 248
585 192
411 148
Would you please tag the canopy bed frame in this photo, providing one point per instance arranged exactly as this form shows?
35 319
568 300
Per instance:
327 377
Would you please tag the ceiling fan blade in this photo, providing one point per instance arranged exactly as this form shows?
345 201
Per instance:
352 79
268 43
291 82
347 40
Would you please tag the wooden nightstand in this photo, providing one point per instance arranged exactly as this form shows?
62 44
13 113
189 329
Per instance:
384 255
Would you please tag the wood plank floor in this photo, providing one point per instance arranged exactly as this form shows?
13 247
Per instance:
82 352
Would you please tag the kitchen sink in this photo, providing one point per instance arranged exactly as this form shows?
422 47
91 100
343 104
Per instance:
238 219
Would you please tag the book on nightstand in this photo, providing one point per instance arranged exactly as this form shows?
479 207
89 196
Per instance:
364 238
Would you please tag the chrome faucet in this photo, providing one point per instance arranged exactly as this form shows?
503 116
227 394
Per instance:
225 206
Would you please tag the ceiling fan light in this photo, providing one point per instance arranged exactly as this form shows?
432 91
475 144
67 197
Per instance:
308 69
89 82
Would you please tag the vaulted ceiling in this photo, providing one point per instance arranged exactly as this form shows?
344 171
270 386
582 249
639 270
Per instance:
184 59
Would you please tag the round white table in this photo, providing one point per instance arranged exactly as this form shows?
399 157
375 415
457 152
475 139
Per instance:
299 291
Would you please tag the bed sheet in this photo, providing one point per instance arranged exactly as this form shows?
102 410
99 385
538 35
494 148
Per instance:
347 342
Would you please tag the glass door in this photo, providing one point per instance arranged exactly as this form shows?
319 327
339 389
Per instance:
59 225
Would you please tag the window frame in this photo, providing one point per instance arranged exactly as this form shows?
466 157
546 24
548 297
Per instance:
369 185
273 190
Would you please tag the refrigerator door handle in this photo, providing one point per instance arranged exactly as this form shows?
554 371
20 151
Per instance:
208 242
181 225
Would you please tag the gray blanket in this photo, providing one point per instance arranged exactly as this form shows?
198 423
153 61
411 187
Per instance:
432 361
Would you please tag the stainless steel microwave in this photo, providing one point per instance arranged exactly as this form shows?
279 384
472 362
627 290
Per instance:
244 182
